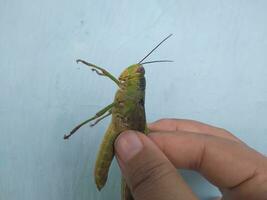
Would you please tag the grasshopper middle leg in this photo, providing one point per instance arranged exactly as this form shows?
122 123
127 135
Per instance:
97 115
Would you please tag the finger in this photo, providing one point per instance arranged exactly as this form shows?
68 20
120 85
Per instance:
190 126
223 162
147 171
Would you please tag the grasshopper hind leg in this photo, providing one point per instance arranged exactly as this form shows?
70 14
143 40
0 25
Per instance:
105 156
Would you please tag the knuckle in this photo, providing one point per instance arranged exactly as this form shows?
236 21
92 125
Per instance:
263 176
147 175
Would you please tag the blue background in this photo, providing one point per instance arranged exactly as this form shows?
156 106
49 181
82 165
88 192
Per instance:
218 77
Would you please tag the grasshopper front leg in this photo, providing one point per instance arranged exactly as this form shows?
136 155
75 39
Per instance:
100 71
97 115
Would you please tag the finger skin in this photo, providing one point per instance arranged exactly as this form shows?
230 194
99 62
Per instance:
230 165
190 126
149 173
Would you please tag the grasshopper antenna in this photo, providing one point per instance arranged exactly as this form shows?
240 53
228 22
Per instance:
156 61
155 48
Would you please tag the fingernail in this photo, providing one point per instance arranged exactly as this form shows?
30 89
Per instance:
128 145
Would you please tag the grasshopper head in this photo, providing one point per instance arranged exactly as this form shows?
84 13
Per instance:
133 77
135 71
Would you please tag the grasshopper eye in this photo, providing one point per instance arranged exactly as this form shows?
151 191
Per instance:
140 70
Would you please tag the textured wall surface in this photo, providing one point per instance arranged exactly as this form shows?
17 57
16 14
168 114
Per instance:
219 76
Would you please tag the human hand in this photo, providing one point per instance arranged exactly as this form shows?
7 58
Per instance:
149 163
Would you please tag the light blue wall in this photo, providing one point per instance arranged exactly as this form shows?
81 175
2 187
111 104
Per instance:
219 77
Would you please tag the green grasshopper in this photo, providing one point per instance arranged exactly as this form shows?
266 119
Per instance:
128 113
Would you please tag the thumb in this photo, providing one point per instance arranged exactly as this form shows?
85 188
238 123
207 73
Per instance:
147 171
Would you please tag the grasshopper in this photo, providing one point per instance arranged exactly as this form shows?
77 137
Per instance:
127 110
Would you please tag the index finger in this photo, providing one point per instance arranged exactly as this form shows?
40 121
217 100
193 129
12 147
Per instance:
223 162
190 126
